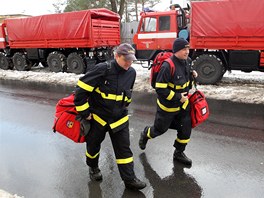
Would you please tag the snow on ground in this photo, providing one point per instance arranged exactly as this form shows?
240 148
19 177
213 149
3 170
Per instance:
236 86
4 194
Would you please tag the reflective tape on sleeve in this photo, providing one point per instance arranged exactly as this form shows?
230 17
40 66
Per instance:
85 86
82 107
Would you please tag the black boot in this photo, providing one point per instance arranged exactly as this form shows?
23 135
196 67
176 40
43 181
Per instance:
181 157
135 184
95 174
143 138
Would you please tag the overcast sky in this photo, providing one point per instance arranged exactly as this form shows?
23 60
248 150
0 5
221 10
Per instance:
40 7
30 7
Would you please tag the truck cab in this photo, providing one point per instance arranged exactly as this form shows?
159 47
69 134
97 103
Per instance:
232 40
157 31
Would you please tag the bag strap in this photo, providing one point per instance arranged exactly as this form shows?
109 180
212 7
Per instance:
172 67
108 66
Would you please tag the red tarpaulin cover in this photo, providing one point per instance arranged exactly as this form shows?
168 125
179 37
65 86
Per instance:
227 18
71 25
227 24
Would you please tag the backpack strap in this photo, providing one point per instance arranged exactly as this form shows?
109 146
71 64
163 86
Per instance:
108 64
108 67
172 67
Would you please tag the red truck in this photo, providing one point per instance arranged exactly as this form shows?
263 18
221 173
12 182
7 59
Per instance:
223 35
71 42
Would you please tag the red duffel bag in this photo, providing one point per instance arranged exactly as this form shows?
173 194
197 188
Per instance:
199 108
65 120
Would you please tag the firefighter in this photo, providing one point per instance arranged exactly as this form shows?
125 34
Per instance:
173 109
102 96
173 7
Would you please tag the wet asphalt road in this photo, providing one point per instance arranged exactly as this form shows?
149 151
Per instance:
227 151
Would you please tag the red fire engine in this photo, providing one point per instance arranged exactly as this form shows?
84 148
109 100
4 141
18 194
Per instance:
223 35
69 42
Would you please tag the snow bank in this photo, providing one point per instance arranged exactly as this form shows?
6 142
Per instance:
236 86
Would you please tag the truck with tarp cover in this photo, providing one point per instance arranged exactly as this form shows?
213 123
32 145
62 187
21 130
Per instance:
223 35
71 41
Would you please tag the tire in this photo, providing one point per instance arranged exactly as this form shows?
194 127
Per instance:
5 62
20 62
210 69
75 63
56 62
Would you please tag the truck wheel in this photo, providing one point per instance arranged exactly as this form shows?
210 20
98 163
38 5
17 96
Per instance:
56 62
20 62
75 63
209 68
5 62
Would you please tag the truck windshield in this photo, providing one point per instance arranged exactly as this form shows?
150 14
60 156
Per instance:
149 24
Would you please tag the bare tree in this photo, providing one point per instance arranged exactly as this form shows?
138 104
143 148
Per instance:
117 6
59 6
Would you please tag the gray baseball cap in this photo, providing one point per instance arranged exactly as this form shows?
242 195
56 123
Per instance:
127 51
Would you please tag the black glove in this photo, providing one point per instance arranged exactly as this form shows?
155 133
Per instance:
85 125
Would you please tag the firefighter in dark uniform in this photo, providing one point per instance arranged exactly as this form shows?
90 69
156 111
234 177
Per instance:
102 96
173 109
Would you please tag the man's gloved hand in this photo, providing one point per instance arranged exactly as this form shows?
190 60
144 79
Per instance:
85 125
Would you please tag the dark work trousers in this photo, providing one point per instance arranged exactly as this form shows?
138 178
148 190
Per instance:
121 145
181 121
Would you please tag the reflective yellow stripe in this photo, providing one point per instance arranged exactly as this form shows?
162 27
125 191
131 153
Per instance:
99 120
183 86
92 157
171 85
170 96
177 87
124 161
148 134
85 86
182 141
166 108
119 122
161 85
82 107
110 96
185 104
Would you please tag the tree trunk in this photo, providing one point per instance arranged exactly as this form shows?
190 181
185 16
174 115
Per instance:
113 6
136 7
121 8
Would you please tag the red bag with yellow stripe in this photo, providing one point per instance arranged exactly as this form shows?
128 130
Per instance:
65 121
